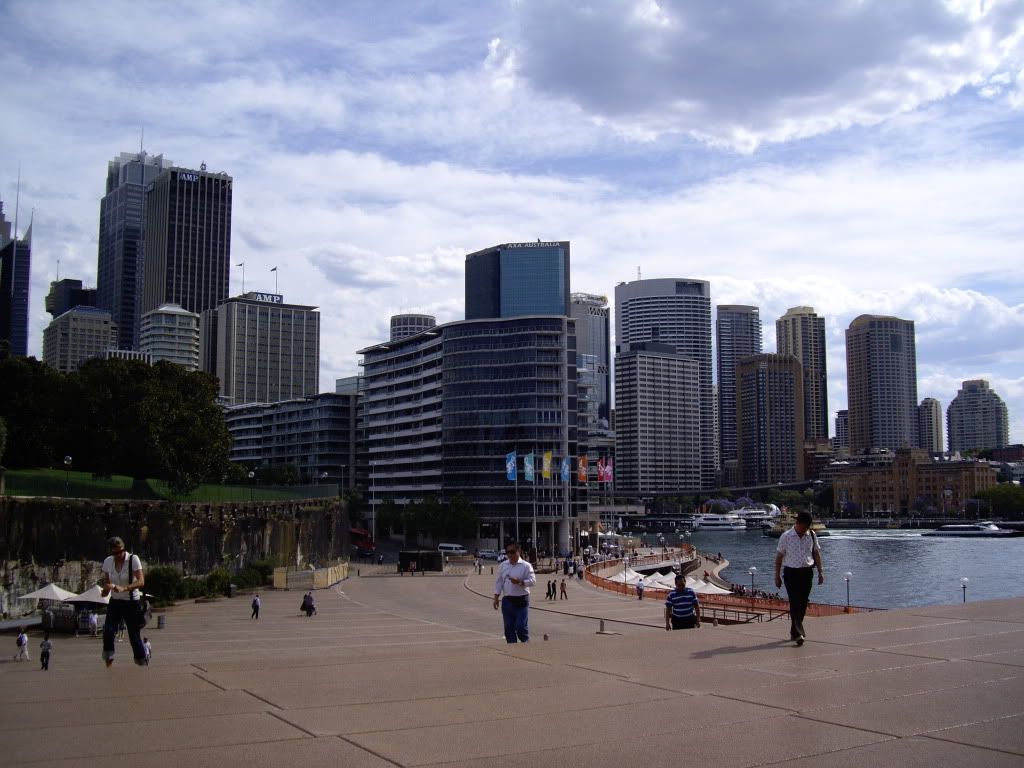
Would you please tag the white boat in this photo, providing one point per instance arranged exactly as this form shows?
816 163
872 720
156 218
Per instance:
726 522
757 517
972 529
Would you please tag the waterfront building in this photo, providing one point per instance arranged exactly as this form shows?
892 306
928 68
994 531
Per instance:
929 425
187 254
770 420
79 334
442 409
518 279
801 333
266 351
881 375
409 325
911 483
171 333
317 435
738 333
67 294
676 312
657 406
119 262
15 280
977 418
593 338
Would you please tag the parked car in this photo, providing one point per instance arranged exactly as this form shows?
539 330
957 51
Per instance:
489 554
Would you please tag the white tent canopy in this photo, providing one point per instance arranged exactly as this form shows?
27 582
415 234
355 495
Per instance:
92 595
49 592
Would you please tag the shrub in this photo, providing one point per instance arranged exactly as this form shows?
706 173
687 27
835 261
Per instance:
217 582
163 582
192 587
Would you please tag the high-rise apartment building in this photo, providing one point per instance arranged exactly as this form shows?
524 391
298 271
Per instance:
170 333
881 383
842 437
403 326
676 312
770 420
15 279
977 418
657 410
187 240
267 351
119 263
801 333
929 425
593 340
738 332
79 334
67 294
517 279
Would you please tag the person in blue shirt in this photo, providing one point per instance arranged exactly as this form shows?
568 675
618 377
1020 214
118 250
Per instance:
682 608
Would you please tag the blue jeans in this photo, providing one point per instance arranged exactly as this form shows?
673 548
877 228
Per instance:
131 612
515 618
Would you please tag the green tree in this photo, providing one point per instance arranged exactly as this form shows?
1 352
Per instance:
462 518
3 439
1006 500
33 405
389 517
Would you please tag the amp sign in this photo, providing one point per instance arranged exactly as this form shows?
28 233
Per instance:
188 177
270 298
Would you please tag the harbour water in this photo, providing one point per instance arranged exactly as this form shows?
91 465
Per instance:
891 568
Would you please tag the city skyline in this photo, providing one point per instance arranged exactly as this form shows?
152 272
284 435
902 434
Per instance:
370 158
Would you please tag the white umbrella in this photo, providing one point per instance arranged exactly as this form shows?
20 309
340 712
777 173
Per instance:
92 595
49 592
707 588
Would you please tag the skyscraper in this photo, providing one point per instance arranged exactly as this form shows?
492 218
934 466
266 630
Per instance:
67 294
881 383
15 274
977 418
119 261
929 425
770 419
170 333
676 312
517 279
738 332
79 334
188 240
801 333
593 339
842 438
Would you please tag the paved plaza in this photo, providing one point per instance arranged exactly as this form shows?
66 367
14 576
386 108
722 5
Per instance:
413 671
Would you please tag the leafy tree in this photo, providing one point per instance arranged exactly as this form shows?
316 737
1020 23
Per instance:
1006 501
463 519
3 439
356 507
389 516
32 403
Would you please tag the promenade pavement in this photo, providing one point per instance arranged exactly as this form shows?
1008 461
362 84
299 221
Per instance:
412 671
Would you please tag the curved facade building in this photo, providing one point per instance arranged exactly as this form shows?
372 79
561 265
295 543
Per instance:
403 326
977 418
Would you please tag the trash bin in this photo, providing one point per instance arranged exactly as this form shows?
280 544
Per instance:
161 620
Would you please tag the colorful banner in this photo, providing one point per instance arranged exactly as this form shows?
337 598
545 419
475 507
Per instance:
609 470
600 470
581 470
546 466
510 465
565 470
528 467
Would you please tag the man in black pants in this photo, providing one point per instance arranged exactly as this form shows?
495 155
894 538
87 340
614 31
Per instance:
797 557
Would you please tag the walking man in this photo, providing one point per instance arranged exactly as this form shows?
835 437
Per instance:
682 608
797 557
122 581
255 607
564 593
512 593
22 642
44 652
640 589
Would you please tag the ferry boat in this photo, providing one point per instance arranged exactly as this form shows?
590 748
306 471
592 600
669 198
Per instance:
986 528
726 522
784 522
757 517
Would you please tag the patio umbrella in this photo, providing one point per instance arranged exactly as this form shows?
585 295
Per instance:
92 595
49 592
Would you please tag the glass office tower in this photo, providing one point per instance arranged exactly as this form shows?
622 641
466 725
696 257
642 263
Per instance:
516 279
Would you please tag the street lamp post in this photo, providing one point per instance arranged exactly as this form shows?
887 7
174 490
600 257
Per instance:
752 570
67 475
252 483
963 586
846 577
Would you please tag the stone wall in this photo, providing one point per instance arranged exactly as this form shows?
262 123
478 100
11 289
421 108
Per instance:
64 540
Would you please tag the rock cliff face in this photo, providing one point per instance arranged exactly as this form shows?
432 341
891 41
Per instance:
64 540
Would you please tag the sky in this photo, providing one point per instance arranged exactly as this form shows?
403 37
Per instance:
857 156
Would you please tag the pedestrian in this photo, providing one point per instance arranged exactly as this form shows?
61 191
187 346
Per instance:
565 567
797 556
44 652
640 589
682 608
255 607
93 624
564 593
122 580
579 571
380 559
148 648
22 643
512 593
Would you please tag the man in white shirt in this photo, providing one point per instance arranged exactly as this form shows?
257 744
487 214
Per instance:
512 593
122 581
797 557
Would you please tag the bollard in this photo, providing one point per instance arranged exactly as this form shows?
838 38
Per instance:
714 621
492 570
161 620
357 571
545 638
602 626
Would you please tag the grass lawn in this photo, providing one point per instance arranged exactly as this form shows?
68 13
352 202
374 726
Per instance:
82 485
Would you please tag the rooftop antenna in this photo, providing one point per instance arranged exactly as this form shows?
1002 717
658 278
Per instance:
638 272
58 269
17 200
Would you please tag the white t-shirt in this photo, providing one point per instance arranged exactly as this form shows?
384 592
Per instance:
124 577
521 570
797 551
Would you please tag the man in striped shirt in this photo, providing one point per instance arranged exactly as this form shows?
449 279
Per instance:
682 609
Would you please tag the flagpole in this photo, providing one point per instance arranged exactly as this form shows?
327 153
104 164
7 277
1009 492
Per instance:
517 496
534 454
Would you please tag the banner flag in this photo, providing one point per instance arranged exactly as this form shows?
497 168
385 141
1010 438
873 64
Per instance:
565 469
609 471
600 470
510 465
528 467
546 466
581 470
